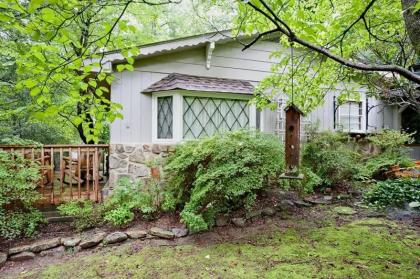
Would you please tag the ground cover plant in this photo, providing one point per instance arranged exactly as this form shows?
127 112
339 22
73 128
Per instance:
394 193
216 174
127 199
18 181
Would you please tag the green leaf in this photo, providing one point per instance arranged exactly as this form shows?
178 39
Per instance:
35 91
121 67
92 83
129 67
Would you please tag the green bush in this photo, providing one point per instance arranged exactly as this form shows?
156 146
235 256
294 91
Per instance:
18 181
119 209
328 159
394 193
212 175
390 152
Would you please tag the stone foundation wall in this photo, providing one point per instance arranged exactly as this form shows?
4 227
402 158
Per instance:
134 160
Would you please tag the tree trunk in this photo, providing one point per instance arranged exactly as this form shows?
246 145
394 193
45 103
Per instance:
412 23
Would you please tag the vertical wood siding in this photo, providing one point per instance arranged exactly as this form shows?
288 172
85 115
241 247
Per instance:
228 61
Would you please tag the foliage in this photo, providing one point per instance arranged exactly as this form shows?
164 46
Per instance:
396 193
212 175
18 181
118 209
391 152
19 141
329 159
375 37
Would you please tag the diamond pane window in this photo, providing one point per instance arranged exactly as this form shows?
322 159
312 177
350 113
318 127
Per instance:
206 116
164 118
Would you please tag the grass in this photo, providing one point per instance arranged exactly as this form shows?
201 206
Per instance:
370 248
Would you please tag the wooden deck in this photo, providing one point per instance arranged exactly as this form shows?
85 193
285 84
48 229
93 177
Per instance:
67 172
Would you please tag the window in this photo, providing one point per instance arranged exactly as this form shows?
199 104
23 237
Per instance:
205 116
164 117
350 116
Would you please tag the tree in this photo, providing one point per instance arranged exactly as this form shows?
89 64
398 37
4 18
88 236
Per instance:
54 41
335 42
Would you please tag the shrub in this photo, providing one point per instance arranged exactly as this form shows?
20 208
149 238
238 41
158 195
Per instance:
212 175
328 159
390 152
119 209
18 181
394 193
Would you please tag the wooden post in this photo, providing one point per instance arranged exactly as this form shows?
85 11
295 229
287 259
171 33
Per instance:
96 174
52 175
292 144
87 173
79 161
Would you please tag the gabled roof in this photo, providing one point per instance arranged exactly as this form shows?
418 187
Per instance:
198 83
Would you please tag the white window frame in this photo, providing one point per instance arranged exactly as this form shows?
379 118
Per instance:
360 117
178 111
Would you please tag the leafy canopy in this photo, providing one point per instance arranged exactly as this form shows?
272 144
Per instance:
346 28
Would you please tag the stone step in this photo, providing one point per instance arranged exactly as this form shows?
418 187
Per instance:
55 217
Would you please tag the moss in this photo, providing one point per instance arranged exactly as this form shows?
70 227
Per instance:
356 250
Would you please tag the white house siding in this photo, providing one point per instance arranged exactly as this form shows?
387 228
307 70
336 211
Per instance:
228 61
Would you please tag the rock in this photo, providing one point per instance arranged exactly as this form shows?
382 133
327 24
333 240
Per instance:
146 147
114 162
92 240
180 232
285 205
414 204
344 210
70 241
316 200
137 157
343 197
3 258
254 214
161 233
239 222
328 190
300 203
135 234
37 246
268 211
156 148
58 251
129 148
22 256
138 170
115 237
355 193
221 221
119 148
328 198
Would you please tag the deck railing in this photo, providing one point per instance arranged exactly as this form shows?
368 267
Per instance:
67 171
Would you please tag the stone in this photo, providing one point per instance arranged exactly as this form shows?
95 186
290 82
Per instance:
92 240
300 203
171 148
328 198
285 205
316 200
119 148
161 233
137 157
222 220
254 214
58 251
268 211
129 148
70 241
115 237
146 147
180 232
156 148
414 204
22 256
3 258
122 156
239 222
37 246
138 170
355 192
344 210
114 162
136 234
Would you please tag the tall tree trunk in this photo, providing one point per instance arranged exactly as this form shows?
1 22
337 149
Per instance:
412 23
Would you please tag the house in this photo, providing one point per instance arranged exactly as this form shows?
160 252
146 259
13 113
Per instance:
191 87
